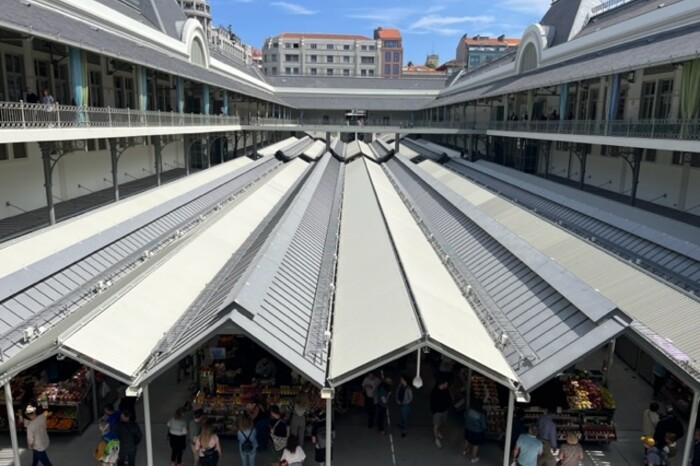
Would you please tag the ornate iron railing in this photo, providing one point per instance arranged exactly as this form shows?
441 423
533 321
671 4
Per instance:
657 129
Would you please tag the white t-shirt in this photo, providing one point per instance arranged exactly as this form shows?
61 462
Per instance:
370 386
297 457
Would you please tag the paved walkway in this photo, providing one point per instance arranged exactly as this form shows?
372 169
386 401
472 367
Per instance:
358 445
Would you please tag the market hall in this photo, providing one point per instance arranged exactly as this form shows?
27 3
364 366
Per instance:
335 269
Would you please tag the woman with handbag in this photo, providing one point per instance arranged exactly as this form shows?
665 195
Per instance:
208 446
247 441
571 453
177 435
278 431
293 454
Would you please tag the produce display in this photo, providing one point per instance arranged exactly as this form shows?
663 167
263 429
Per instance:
582 394
484 389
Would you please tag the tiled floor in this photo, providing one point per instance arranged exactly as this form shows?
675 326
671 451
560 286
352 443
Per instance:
357 445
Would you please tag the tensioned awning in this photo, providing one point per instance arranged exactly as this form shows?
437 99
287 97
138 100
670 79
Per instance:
147 310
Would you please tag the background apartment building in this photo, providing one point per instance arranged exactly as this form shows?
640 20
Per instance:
392 48
294 54
479 50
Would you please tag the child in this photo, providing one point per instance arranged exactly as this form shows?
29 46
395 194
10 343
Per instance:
654 455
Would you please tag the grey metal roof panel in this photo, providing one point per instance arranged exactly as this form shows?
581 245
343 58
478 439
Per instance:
622 13
505 285
337 82
296 149
50 24
280 298
171 15
641 237
374 103
663 48
560 17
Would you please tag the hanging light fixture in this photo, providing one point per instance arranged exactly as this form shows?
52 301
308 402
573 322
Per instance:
417 381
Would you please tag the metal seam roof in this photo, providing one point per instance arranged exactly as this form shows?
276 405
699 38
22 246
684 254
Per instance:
277 300
166 292
545 321
444 311
371 295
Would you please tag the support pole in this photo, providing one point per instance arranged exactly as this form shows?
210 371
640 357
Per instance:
468 392
115 162
509 428
635 175
691 428
255 142
93 389
48 180
609 360
329 430
245 143
11 423
159 158
207 150
397 143
188 148
147 425
582 179
328 141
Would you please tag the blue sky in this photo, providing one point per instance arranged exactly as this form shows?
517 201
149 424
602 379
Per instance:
427 26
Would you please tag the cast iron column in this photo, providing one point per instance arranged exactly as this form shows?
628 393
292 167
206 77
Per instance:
48 181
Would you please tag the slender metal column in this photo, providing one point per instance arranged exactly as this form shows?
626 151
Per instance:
255 142
11 422
691 428
609 360
329 430
397 143
48 180
188 148
159 158
582 179
94 394
115 167
147 425
468 393
635 176
509 428
207 149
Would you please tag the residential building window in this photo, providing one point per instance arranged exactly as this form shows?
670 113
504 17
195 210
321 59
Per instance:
370 72
19 150
396 70
313 71
387 56
274 70
391 44
313 46
287 45
15 77
397 56
329 46
288 70
41 69
346 72
3 152
367 60
372 47
295 46
346 59
679 158
646 109
274 57
363 72
295 70
123 92
364 47
663 99
650 155
329 72
346 47
387 69
313 58
329 59
275 45
291 58
95 88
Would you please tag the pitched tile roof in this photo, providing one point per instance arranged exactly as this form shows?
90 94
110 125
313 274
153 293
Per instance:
304 35
388 34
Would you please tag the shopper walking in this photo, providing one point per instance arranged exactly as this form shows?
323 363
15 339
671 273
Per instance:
278 432
208 447
650 419
293 454
320 438
194 428
369 388
528 449
129 435
547 432
669 422
570 453
177 436
297 425
261 420
404 398
37 436
247 441
440 402
474 429
383 394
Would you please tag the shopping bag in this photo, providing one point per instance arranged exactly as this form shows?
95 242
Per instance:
279 442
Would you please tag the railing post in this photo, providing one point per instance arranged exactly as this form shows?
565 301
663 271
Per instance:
128 115
21 106
159 118
109 115
653 127
58 116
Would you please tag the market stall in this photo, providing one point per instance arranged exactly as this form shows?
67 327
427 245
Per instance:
69 402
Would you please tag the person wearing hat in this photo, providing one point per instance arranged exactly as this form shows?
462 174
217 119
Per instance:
37 436
193 430
571 453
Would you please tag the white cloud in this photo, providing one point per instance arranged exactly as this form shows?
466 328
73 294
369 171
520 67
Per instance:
382 14
538 7
436 24
293 8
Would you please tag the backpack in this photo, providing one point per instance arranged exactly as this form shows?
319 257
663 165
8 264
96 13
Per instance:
247 445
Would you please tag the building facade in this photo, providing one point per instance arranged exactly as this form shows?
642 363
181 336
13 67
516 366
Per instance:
479 50
392 52
292 54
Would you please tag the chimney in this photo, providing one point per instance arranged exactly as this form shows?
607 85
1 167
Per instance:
502 38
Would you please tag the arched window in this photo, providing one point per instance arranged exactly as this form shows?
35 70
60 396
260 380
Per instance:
197 54
528 60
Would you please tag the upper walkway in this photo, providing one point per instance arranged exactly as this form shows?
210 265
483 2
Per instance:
22 122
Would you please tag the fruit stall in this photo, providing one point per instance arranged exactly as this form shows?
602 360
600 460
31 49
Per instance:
68 402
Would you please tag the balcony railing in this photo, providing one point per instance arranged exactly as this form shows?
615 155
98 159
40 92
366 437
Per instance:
657 129
22 115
